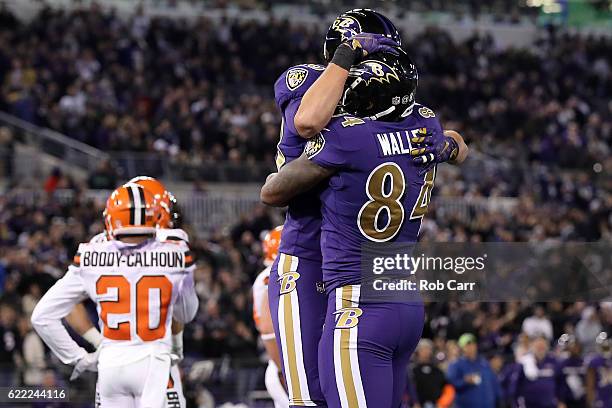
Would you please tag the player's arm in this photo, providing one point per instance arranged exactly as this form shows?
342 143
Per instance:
266 330
320 101
79 321
187 302
462 149
47 317
293 178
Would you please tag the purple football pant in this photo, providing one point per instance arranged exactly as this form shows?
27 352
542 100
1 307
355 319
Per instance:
365 350
298 313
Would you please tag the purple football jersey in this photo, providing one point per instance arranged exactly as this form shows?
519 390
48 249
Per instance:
603 380
377 193
302 228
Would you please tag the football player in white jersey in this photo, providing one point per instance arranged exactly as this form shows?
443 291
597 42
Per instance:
139 285
263 321
168 229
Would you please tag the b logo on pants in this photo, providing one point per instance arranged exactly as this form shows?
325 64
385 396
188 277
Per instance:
288 281
347 317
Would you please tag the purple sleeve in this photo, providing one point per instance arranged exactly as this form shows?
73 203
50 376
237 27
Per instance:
294 82
289 115
325 150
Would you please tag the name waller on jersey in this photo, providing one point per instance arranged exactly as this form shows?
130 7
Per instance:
134 259
393 143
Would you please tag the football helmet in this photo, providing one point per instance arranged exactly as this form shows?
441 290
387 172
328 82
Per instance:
170 215
131 210
270 245
382 87
354 22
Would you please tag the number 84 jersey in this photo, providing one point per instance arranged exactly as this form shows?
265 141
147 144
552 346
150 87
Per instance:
377 194
137 290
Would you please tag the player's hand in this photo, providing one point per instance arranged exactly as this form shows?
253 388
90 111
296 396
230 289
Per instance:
428 152
89 362
176 353
369 43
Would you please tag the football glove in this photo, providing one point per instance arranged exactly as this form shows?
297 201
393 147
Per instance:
357 46
369 43
428 152
89 362
176 354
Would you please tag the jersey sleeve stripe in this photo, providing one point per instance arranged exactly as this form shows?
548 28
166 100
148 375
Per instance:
76 261
189 259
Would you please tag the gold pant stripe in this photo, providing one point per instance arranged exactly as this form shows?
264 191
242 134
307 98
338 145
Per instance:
345 356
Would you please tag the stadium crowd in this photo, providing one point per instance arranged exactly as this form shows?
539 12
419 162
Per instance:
201 93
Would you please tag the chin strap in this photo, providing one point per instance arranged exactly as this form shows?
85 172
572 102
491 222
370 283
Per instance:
383 113
408 111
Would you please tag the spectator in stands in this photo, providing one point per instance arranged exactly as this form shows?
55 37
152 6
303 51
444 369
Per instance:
536 382
10 344
588 328
538 324
475 383
433 391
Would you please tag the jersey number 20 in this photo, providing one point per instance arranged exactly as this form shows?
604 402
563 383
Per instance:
390 202
145 286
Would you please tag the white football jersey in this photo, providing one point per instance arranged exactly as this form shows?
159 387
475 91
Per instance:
137 290
260 289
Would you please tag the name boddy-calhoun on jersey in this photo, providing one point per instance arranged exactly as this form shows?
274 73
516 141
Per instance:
138 285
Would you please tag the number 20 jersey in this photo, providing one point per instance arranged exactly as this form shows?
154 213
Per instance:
377 194
137 290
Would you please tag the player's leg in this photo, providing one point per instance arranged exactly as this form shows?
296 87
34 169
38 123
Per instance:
114 385
154 372
411 322
174 391
356 352
275 386
298 312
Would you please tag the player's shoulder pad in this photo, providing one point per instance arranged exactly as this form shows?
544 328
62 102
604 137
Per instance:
179 246
338 132
101 237
423 111
172 235
76 259
426 116
295 81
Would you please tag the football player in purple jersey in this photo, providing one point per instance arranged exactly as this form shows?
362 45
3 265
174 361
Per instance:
307 96
374 167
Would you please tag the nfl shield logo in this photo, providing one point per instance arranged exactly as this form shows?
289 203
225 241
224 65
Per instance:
295 77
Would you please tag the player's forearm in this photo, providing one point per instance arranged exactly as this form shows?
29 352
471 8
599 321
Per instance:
294 178
272 350
177 326
46 321
78 320
320 101
463 149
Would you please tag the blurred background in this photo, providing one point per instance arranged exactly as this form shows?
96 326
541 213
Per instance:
94 93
